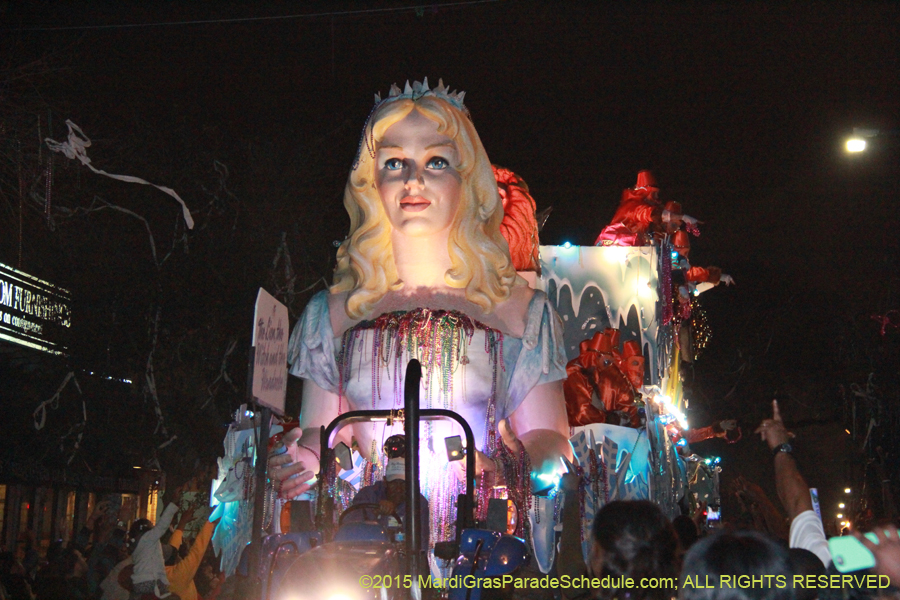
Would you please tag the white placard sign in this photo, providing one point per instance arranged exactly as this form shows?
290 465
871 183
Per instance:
270 339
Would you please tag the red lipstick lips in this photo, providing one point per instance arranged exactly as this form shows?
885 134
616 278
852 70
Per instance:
414 204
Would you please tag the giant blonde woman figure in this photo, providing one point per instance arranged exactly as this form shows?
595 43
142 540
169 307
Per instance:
425 273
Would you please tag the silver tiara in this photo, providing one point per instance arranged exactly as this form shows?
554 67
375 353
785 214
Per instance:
419 89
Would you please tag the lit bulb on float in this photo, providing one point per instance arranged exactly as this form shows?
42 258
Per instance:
616 254
672 410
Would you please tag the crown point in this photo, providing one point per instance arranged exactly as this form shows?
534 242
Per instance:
421 89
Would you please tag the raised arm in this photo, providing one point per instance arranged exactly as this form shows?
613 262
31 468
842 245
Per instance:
186 569
789 483
163 523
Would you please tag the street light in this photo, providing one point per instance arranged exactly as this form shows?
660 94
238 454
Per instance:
841 505
847 490
855 144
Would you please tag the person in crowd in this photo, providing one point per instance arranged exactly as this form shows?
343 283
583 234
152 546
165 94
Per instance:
107 527
208 580
181 572
886 552
30 558
65 578
712 566
687 531
111 587
806 564
631 539
634 539
149 575
806 527
13 579
757 512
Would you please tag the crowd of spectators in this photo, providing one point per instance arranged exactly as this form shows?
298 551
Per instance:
634 540
631 541
100 562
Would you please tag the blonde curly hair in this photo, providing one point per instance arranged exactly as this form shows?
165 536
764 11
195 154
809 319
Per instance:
479 255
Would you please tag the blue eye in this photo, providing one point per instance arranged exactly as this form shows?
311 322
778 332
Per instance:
439 163
393 164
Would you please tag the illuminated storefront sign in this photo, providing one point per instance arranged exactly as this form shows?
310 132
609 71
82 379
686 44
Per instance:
33 313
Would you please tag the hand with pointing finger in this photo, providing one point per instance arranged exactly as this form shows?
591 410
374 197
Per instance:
772 431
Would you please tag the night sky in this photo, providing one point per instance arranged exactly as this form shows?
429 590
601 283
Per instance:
740 110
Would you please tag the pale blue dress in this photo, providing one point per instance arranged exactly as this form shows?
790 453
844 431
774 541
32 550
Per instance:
471 369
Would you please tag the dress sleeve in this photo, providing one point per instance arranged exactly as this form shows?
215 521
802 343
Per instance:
311 347
542 358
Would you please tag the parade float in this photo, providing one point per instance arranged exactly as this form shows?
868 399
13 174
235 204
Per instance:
550 359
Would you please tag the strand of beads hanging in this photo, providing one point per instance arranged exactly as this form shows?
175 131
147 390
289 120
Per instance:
482 496
327 473
438 339
444 488
442 341
339 492
343 495
269 503
516 469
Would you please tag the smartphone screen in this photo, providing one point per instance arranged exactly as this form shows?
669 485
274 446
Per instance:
713 514
848 554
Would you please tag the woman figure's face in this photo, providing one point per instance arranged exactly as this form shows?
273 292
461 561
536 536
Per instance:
416 176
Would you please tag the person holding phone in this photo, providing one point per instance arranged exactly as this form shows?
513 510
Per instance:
806 527
886 551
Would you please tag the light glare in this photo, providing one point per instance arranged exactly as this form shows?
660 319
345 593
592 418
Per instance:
856 145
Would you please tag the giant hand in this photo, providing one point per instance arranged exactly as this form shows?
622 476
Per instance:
540 424
294 472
